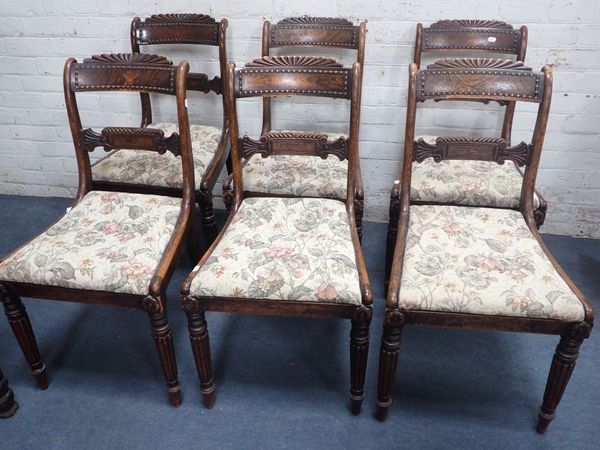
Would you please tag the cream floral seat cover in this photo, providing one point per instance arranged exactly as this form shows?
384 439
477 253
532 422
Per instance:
109 241
284 248
150 168
463 182
481 261
298 176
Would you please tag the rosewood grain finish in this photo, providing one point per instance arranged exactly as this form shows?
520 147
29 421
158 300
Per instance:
308 32
8 405
572 333
360 315
121 72
184 29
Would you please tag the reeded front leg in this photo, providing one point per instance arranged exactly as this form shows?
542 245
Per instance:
164 345
201 349
562 367
359 352
21 326
392 235
388 359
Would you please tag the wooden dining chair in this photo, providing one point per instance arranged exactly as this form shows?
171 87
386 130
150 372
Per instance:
130 171
467 182
474 267
296 175
286 256
110 248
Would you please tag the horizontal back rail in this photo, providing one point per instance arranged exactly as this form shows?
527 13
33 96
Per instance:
283 75
314 32
114 138
294 143
177 29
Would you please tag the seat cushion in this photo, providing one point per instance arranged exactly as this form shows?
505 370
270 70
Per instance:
308 176
284 249
481 261
151 168
463 182
109 241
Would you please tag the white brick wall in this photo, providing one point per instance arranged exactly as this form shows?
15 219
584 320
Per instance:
36 36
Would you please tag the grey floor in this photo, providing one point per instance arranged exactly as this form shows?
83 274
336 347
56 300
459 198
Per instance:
282 382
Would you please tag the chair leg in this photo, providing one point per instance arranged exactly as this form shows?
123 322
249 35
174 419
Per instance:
392 235
359 352
201 349
209 225
164 345
359 206
8 405
393 323
561 369
21 326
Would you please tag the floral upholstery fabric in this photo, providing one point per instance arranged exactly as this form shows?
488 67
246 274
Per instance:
109 241
464 182
284 248
151 168
481 261
299 176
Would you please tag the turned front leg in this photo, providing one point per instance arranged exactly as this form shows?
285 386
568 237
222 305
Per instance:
201 349
21 326
359 352
562 367
164 346
393 323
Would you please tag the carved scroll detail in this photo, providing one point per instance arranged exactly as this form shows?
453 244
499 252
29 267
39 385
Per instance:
310 20
298 143
296 61
478 63
470 23
180 17
472 148
129 58
113 138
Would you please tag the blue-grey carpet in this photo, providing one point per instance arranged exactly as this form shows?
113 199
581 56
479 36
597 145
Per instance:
283 382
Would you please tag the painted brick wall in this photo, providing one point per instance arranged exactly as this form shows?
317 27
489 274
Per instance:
36 36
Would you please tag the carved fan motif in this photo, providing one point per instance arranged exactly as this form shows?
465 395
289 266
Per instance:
309 20
271 61
129 58
470 23
478 63
180 17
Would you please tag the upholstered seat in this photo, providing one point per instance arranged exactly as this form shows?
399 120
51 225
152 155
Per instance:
109 241
284 248
300 176
481 261
134 167
465 182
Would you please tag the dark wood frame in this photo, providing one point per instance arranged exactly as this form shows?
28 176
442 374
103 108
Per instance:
256 80
445 36
307 31
492 84
196 29
137 73
8 405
